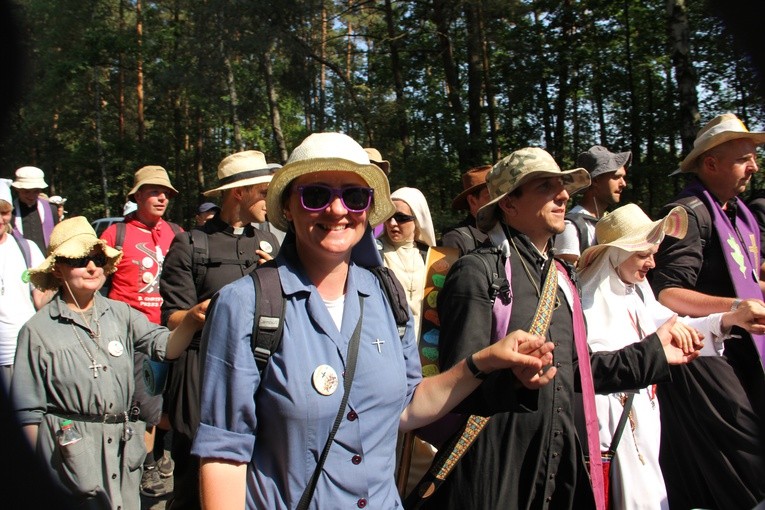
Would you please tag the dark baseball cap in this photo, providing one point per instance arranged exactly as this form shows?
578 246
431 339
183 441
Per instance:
207 206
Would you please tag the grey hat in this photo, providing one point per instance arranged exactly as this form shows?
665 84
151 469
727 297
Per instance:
599 160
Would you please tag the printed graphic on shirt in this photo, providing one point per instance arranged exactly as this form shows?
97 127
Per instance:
149 270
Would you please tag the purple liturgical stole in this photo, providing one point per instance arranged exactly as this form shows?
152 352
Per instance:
740 246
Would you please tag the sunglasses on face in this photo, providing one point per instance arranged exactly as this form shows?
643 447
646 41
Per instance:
401 218
316 197
99 259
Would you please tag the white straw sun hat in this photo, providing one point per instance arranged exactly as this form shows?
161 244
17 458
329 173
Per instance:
243 169
323 152
630 229
717 131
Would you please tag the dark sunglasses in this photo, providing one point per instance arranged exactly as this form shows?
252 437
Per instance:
99 259
401 218
316 197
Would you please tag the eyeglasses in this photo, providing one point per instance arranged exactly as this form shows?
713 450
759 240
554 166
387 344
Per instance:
401 218
99 259
317 197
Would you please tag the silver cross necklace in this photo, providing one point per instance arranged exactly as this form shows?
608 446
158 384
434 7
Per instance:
95 335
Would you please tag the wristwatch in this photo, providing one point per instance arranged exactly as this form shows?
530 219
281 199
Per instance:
474 369
735 305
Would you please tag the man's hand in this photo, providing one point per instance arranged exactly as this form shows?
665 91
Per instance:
527 355
749 315
264 257
198 312
675 355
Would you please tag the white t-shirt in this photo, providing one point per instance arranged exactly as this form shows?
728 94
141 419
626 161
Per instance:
16 306
567 242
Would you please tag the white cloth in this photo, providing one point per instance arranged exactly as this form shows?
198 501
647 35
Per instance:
614 310
567 242
16 306
405 260
419 206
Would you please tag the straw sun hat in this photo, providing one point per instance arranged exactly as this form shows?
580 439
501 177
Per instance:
151 174
520 167
72 238
717 131
630 229
243 169
324 152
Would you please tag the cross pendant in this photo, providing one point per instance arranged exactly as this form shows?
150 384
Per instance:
94 367
378 343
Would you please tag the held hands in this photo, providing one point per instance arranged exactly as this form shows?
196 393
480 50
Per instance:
264 257
527 355
686 336
198 313
750 315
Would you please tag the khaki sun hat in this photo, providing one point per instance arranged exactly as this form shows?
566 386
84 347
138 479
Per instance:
72 238
376 158
151 174
717 131
29 177
243 169
324 152
520 167
472 181
630 229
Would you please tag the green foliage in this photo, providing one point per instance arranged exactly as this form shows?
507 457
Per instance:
561 75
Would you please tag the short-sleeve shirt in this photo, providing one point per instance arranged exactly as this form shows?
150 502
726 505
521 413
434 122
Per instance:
567 242
278 424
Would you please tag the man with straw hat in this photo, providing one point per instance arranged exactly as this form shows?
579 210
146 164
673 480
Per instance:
713 458
529 453
144 238
198 265
465 236
34 216
608 172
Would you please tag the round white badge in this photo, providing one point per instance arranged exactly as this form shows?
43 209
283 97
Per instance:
325 380
266 246
147 262
115 348
147 277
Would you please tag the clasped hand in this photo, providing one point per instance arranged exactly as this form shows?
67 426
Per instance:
528 356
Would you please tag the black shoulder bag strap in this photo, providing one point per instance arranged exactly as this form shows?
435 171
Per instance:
620 427
268 322
350 369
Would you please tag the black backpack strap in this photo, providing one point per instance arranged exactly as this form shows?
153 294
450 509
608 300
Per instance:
396 296
119 239
268 323
200 255
175 227
699 209
580 223
499 282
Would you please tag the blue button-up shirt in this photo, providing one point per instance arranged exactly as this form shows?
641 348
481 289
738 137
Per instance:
279 423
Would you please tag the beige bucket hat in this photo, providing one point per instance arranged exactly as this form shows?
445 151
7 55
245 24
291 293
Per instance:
29 177
322 152
520 167
717 131
630 229
72 238
376 158
243 169
151 174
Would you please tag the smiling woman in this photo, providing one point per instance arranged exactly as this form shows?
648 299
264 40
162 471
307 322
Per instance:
74 365
337 324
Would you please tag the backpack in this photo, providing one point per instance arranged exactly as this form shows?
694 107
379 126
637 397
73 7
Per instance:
119 240
268 325
695 205
580 223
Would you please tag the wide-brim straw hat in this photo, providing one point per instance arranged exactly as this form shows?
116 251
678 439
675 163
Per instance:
376 158
518 168
324 152
151 174
717 131
72 238
29 177
244 168
630 229
472 180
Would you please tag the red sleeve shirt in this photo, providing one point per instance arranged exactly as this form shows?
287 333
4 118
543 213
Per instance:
136 281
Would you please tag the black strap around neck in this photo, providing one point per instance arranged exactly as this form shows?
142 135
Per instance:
350 369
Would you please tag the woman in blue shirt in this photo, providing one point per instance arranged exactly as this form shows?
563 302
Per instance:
261 435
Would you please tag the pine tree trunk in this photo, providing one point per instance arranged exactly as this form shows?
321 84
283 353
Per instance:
685 74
